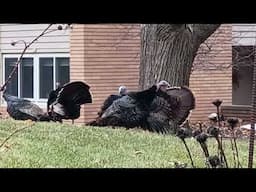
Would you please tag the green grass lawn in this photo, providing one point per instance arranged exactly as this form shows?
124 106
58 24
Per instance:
54 145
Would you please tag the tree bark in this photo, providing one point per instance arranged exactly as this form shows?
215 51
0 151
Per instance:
168 51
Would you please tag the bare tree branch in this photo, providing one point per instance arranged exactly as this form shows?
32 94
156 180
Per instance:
24 51
203 31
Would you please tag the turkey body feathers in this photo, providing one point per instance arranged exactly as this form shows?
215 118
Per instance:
52 97
124 112
170 109
185 102
22 109
76 92
152 110
108 102
128 111
69 100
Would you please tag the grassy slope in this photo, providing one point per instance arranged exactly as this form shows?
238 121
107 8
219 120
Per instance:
56 145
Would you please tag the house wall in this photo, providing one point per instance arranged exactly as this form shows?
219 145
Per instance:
108 56
105 56
212 75
243 34
54 42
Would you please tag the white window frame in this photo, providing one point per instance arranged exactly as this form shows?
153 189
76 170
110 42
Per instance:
36 84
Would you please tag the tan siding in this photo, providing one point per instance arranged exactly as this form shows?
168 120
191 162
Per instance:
57 41
107 56
243 34
104 56
208 85
77 59
111 59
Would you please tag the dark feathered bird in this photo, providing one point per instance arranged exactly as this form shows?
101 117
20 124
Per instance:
128 111
22 109
53 96
69 99
122 90
108 102
171 105
151 109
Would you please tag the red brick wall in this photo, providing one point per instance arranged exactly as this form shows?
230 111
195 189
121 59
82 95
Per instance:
105 56
212 75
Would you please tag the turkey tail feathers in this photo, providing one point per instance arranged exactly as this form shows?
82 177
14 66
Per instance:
76 91
186 103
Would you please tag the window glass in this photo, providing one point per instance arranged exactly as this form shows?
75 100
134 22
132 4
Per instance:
62 70
46 76
12 87
26 78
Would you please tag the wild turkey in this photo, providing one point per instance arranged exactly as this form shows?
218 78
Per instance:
53 96
170 109
128 111
22 109
122 90
152 109
68 100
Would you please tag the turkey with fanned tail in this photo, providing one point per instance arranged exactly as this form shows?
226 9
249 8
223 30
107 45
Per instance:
156 109
65 103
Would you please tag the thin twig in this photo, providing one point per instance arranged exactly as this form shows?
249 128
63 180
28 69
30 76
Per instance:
192 163
21 56
237 156
205 150
222 151
218 119
14 132
234 156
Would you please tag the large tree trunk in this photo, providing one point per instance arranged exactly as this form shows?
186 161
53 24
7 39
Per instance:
168 52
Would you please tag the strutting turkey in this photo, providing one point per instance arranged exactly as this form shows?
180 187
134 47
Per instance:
22 109
53 96
152 109
122 90
66 101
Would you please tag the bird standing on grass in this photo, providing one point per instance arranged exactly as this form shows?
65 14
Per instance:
67 103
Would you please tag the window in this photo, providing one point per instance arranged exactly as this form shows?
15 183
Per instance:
242 74
46 76
37 74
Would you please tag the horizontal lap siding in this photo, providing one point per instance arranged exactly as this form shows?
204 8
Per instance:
106 57
54 42
212 75
111 58
77 60
243 34
57 41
